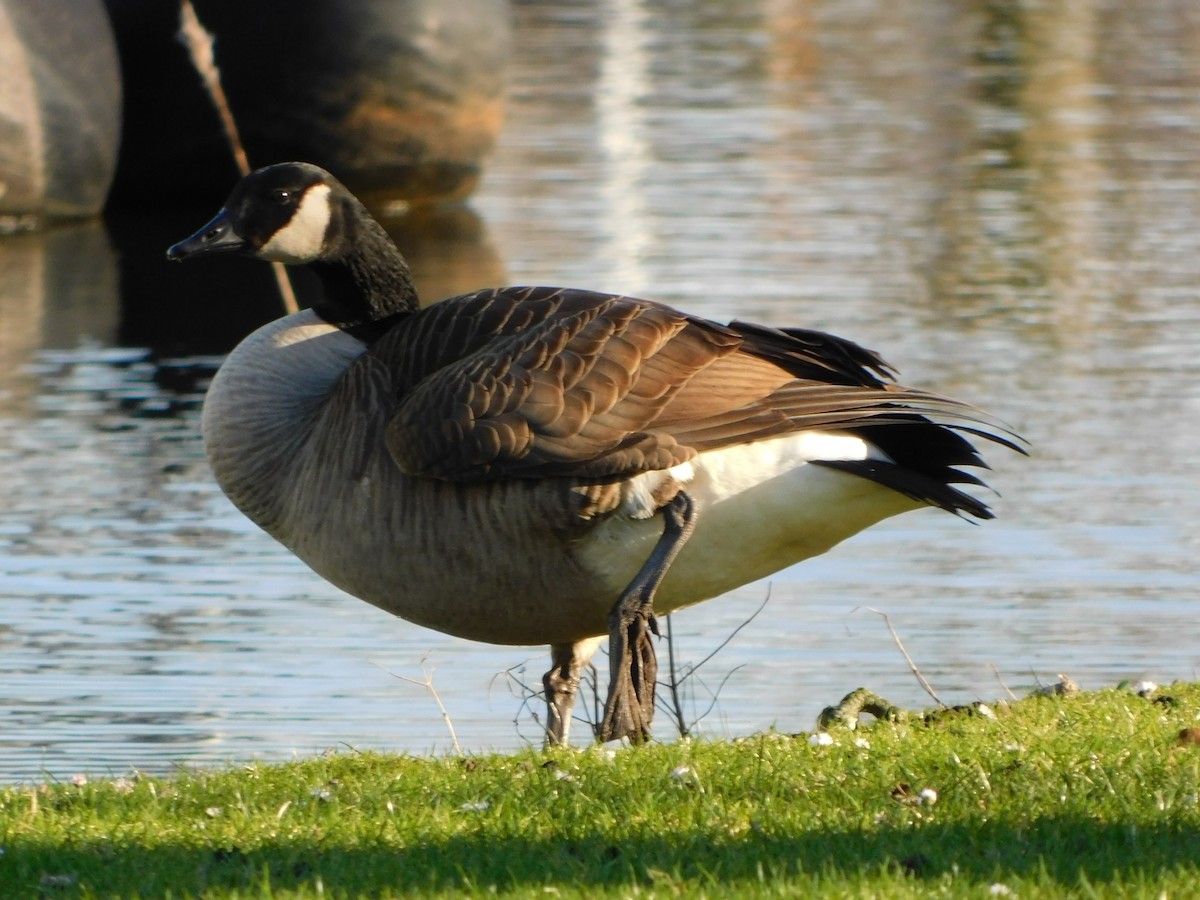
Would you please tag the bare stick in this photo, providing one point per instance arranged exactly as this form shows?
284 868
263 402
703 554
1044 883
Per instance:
427 683
199 42
675 681
715 695
523 692
908 659
721 646
996 672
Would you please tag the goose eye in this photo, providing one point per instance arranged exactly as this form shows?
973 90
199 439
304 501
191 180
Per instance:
282 196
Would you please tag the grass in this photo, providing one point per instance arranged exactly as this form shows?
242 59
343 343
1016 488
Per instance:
1092 795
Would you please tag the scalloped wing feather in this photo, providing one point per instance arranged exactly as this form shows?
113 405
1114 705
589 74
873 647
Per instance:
540 382
571 394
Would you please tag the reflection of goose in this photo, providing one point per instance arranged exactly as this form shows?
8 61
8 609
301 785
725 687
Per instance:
523 465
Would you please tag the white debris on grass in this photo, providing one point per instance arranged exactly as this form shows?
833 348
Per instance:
686 776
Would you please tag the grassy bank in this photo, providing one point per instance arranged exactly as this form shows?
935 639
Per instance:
1093 795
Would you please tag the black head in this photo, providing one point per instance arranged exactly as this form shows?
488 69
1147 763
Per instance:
281 213
300 214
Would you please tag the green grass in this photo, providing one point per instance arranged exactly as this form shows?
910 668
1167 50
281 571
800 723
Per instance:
1094 795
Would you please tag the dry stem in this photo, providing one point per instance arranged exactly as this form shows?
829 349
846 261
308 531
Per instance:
199 42
908 659
996 672
427 683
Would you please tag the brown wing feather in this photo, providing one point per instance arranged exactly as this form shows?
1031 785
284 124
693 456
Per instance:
573 393
538 382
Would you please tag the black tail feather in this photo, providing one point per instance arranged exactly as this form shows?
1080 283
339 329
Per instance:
920 486
923 462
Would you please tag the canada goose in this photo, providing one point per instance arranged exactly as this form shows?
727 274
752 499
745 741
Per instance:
540 465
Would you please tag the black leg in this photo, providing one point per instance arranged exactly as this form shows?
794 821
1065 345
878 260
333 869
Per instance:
561 684
633 665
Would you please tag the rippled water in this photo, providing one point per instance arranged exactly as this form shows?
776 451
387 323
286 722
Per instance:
1004 198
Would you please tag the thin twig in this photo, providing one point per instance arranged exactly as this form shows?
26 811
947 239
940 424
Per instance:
199 42
427 683
908 659
675 682
592 676
996 672
721 646
526 694
716 695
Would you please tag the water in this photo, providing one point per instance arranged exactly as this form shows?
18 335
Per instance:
1004 198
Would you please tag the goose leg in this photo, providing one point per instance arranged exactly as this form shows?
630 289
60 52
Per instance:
633 665
561 684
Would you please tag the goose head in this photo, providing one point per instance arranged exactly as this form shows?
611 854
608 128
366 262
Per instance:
282 213
299 214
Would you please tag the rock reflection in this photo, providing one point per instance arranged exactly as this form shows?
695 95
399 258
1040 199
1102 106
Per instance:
448 248
182 311
58 288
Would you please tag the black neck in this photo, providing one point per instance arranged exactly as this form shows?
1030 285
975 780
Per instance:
370 332
367 286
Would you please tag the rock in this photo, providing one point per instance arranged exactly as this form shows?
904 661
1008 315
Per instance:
60 110
401 99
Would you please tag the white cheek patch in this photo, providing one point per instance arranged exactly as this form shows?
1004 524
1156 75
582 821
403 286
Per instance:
301 239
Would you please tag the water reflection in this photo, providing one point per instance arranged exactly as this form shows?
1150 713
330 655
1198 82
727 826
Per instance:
449 249
56 290
1003 197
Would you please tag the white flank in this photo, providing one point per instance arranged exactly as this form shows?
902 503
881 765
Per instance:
301 239
760 507
815 445
732 470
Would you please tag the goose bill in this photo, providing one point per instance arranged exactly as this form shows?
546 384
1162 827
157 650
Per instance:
218 236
